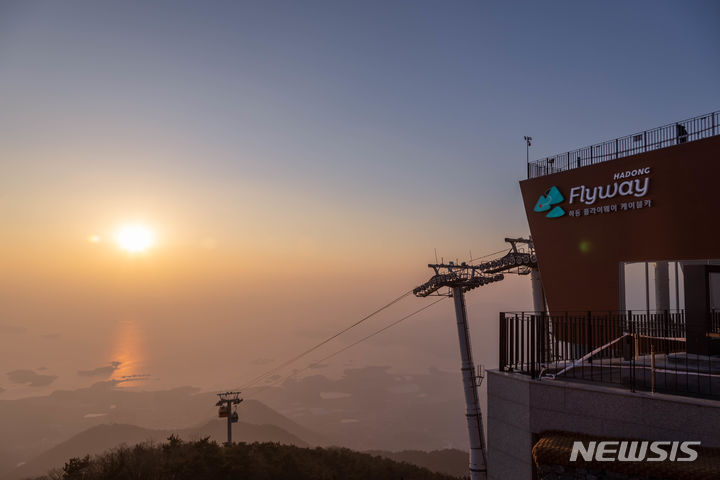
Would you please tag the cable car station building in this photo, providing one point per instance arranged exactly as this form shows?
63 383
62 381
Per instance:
627 238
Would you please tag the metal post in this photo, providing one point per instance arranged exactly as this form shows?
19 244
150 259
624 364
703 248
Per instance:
667 332
478 464
621 286
647 290
229 422
502 361
677 288
652 368
542 335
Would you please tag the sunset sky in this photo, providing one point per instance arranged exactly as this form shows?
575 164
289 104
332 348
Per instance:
291 167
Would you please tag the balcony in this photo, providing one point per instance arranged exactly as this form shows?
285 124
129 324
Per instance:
640 351
689 130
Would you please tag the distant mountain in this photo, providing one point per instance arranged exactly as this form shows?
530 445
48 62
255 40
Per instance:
203 460
242 432
368 408
449 461
31 426
104 437
257 413
92 441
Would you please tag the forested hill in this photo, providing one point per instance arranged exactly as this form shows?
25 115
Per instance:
450 461
206 460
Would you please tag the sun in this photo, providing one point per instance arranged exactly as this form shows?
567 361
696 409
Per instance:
135 238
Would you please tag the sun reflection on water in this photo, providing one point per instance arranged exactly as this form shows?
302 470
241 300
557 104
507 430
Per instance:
129 352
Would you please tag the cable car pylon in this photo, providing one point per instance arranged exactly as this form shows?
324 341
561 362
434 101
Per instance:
225 404
460 279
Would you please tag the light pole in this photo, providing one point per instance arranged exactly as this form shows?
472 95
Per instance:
528 142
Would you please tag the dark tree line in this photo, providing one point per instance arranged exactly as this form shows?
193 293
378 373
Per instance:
204 459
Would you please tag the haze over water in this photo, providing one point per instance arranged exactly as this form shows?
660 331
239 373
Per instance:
296 164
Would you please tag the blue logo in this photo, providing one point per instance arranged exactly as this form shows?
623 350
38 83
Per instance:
552 196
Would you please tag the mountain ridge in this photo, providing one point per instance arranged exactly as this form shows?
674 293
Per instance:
100 438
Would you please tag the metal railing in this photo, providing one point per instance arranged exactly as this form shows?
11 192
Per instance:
684 131
637 350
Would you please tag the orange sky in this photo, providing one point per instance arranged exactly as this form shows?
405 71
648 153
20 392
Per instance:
298 166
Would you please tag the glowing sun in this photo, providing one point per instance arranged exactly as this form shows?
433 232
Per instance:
135 238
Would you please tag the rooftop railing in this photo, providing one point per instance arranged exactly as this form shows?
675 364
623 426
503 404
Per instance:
684 131
640 351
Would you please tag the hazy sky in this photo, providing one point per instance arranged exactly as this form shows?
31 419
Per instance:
297 163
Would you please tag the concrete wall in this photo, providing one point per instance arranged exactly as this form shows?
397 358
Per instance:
519 407
509 437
